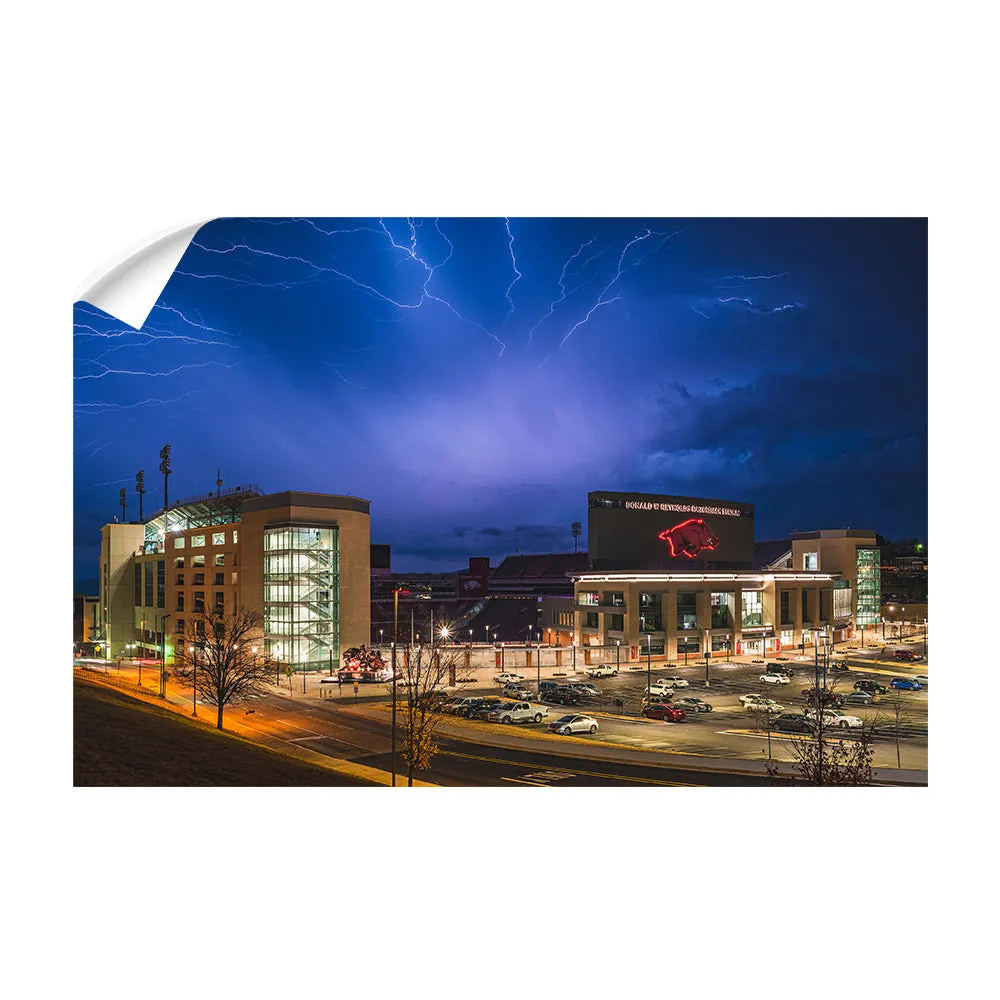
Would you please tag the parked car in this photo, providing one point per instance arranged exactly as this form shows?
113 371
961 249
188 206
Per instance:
518 693
793 722
483 709
870 687
758 703
905 684
825 697
838 664
859 698
770 678
675 682
565 696
906 655
459 705
601 670
574 724
587 690
776 669
668 713
691 705
833 717
506 678
544 686
661 688
922 678
518 711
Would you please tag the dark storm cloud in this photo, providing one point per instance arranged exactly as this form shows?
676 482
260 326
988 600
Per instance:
408 363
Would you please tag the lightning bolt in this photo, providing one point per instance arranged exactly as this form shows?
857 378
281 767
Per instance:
122 371
601 300
562 289
753 277
700 313
517 273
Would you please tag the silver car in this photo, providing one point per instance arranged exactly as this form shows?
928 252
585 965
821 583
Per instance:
569 724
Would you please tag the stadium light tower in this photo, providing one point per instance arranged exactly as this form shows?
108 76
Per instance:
165 469
140 488
577 529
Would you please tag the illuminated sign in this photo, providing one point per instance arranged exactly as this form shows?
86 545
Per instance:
689 538
683 508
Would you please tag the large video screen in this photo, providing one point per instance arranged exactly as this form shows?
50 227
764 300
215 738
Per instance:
650 531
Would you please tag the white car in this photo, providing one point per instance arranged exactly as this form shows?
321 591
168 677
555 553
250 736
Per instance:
834 717
661 688
507 678
601 670
517 692
569 724
675 682
921 679
774 679
758 703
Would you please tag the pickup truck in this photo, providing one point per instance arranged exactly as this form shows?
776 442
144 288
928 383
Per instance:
601 670
518 711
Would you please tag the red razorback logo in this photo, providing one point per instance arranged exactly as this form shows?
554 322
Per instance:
689 538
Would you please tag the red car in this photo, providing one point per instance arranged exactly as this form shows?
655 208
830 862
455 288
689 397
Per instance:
664 712
905 654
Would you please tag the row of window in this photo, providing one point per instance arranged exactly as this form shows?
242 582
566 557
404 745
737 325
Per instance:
199 578
198 601
198 541
144 586
196 561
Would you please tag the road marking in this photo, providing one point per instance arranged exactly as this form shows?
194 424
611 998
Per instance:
519 781
574 772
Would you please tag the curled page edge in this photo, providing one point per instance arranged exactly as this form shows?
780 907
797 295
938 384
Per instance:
129 286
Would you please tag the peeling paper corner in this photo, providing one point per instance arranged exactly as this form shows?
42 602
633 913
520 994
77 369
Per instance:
129 286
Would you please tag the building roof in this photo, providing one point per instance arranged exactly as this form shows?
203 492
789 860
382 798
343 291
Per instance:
551 565
768 553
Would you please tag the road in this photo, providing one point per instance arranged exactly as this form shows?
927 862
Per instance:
624 751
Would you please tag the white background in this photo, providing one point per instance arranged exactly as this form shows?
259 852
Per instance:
125 120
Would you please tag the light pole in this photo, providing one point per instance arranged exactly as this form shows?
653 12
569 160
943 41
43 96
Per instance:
618 654
163 654
395 640
925 638
862 637
194 690
901 613
380 640
574 656
649 662
538 665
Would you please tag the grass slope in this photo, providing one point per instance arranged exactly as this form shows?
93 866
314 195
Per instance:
120 741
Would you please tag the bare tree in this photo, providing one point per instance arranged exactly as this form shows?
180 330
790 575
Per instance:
227 669
421 674
895 716
763 717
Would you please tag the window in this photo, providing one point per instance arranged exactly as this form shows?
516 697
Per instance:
805 605
753 608
197 560
180 580
869 587
687 610
179 562
220 601
178 543
786 614
148 595
591 619
218 538
220 580
787 637
160 582
824 600
180 602
653 647
199 629
722 614
197 541
650 612
180 625
220 559
235 536
233 575
720 643
199 600
588 597
688 646
564 618
138 585
810 560
616 623
614 598
199 579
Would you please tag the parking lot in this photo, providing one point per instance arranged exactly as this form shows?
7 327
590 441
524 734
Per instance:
729 730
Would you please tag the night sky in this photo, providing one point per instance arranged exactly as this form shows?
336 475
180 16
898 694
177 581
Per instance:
474 378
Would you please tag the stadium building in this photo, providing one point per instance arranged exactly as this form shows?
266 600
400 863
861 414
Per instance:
300 559
675 577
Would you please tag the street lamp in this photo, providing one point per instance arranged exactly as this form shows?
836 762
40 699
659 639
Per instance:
618 654
194 690
163 654
902 611
649 662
